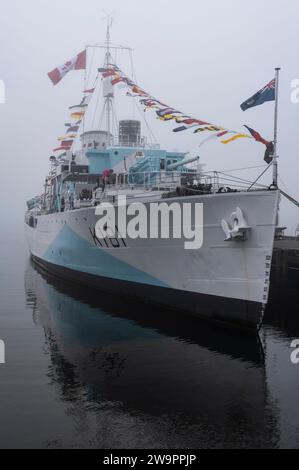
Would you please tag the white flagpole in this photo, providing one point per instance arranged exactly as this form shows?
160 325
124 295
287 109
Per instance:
275 156
85 86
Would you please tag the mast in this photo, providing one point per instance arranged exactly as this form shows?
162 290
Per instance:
275 156
108 91
109 96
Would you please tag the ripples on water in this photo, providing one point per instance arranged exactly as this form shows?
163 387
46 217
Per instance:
88 370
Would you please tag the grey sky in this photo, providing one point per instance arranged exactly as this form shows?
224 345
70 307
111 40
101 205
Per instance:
204 58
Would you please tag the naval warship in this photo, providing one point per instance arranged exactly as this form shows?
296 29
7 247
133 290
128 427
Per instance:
225 279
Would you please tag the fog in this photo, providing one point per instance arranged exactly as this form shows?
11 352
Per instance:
204 58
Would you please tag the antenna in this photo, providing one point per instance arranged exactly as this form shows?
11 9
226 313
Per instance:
109 18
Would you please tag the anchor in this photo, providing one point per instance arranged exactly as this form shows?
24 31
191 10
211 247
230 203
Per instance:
236 227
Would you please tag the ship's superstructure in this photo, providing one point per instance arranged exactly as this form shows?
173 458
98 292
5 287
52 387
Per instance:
226 279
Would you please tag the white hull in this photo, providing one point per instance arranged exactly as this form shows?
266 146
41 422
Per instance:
227 280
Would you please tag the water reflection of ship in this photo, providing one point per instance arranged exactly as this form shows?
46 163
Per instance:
154 366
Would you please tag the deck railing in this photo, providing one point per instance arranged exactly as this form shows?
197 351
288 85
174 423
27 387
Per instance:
206 182
187 182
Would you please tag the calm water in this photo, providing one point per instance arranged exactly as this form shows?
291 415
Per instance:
86 370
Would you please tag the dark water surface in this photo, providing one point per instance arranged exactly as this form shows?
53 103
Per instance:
86 370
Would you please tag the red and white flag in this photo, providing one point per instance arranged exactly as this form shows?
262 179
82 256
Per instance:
76 63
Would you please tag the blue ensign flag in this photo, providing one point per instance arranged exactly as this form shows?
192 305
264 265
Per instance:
265 94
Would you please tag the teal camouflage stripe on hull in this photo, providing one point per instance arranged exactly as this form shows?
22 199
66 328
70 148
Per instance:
73 252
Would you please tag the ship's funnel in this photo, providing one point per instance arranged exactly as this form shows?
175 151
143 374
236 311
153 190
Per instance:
129 133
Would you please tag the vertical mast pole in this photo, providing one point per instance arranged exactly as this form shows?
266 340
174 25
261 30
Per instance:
108 60
85 85
275 156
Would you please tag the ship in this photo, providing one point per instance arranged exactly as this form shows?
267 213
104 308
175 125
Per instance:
225 279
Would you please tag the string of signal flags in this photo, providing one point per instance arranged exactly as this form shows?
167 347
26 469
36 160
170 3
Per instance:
163 111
